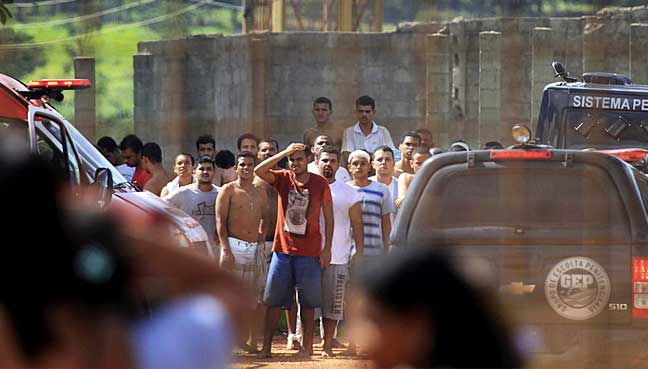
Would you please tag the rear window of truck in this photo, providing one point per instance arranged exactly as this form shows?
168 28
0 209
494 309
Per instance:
578 196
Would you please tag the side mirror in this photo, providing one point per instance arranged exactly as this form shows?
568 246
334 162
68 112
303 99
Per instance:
558 68
560 71
104 182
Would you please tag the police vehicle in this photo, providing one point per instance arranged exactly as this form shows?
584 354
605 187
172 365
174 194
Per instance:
597 110
560 236
33 124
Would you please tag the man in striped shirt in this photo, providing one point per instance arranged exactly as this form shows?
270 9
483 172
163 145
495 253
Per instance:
376 204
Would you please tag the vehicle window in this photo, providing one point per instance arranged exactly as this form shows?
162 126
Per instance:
58 148
91 157
588 199
602 129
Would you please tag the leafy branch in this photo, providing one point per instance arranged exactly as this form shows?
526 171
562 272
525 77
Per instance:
5 13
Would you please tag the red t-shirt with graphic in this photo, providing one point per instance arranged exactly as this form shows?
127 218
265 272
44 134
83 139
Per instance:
298 214
141 177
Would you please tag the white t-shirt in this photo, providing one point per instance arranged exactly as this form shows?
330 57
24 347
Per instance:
376 202
341 175
199 204
355 139
344 197
175 184
126 171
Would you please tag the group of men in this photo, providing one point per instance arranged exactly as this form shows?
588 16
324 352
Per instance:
291 230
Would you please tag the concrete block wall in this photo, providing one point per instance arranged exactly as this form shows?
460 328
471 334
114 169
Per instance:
265 82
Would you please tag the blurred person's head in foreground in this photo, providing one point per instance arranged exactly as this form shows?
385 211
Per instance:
74 305
416 310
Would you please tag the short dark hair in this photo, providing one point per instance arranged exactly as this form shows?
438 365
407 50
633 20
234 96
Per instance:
193 162
131 142
206 159
424 130
330 139
436 151
205 139
107 143
270 140
412 134
366 100
329 150
323 100
383 148
153 152
224 159
246 136
421 150
245 154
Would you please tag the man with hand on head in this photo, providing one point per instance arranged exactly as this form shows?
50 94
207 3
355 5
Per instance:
298 255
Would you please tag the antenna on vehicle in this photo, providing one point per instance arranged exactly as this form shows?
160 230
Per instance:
560 71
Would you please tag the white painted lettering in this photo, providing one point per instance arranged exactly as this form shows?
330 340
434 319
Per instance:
635 104
625 105
577 101
606 103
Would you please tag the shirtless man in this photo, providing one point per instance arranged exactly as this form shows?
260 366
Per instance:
420 155
410 141
322 110
152 163
240 207
183 168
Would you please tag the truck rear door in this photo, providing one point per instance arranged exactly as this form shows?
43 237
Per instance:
553 240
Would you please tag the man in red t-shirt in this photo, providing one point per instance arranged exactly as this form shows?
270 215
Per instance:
131 150
297 256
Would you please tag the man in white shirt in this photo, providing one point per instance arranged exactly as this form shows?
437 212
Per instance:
383 164
341 174
365 134
348 217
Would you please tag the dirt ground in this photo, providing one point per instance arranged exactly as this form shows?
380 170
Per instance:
282 358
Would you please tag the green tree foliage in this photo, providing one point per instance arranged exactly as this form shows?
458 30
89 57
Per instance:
19 62
5 14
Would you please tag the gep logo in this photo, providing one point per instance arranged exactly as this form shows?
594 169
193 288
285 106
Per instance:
577 288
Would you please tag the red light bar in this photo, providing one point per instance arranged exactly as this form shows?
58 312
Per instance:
59 84
628 155
519 154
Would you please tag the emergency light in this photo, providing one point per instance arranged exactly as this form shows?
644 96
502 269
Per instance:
51 88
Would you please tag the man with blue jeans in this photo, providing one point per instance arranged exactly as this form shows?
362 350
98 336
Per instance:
298 256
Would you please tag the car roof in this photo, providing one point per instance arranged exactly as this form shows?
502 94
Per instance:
632 89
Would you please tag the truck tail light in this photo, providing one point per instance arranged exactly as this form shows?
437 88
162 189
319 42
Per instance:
639 288
628 155
519 154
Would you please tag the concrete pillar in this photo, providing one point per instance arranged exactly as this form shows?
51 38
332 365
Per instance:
594 38
378 15
345 15
143 95
437 87
259 57
541 73
639 53
278 15
490 87
85 106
